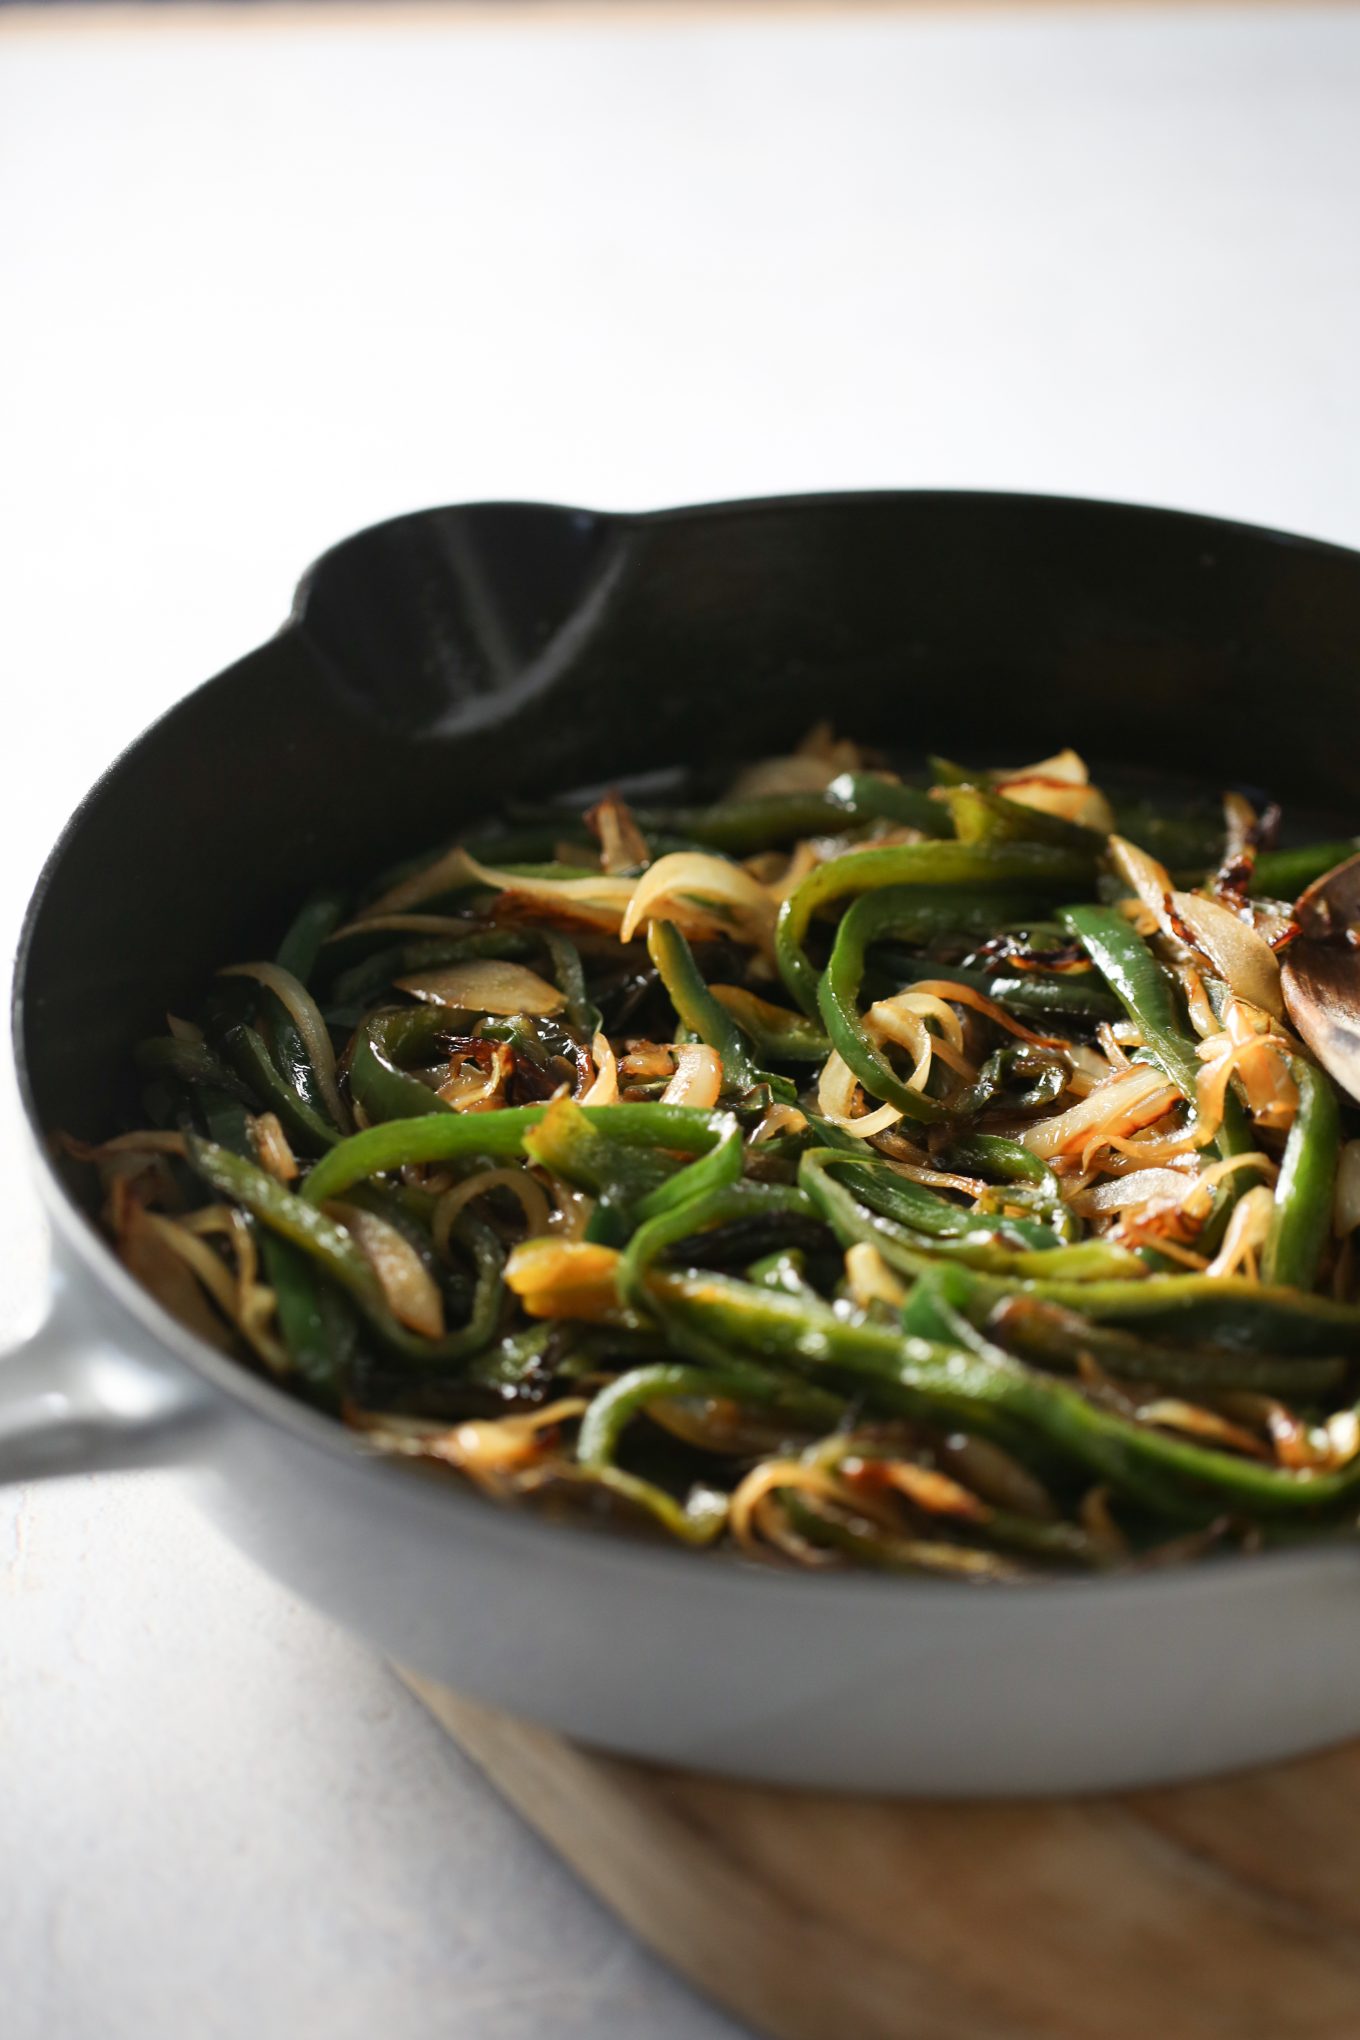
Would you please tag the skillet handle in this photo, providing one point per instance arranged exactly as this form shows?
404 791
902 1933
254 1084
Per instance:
71 1402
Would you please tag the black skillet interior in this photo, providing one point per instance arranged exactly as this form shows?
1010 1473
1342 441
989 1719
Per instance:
437 663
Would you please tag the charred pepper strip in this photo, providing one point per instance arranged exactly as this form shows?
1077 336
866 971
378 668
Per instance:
696 1006
303 1124
962 1377
460 1136
911 1252
1301 1222
1144 990
1222 1310
1051 1337
913 912
739 1381
1032 868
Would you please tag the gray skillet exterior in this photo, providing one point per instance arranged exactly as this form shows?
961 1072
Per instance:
432 666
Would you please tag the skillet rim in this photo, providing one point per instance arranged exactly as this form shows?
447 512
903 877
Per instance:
523 1529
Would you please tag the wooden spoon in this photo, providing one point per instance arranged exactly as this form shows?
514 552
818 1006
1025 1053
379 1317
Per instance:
1320 973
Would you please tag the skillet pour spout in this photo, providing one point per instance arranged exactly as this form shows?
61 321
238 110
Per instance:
438 664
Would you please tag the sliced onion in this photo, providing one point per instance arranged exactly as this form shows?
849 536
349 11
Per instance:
1233 949
967 995
410 1290
1119 1106
272 1150
710 894
1050 794
698 1078
870 1279
605 1088
992 1473
565 1278
836 1090
530 1192
1144 876
1067 766
305 1015
373 923
1140 1186
1246 1235
479 1093
779 1118
487 984
622 843
1346 1208
1171 1414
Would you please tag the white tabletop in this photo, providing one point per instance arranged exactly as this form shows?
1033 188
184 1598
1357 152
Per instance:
263 283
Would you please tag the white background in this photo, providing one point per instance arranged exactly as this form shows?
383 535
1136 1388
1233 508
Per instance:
262 284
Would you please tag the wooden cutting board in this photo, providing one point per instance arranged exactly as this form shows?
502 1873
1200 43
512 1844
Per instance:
1223 1911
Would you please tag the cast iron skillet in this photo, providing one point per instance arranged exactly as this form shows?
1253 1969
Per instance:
432 665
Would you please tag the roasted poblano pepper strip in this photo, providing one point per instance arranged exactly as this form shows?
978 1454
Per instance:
911 1252
1301 1221
191 1063
1051 1337
1029 868
313 924
696 1006
1283 874
377 1081
743 1381
982 816
459 1136
1076 995
990 1154
764 821
962 1377
292 1218
779 1035
892 910
305 1127
1144 990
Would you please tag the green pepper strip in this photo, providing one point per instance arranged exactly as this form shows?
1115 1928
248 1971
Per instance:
910 911
1144 990
696 1006
981 816
308 1331
714 1207
291 1217
191 1063
456 1136
314 923
1301 1220
1008 867
1055 1338
1067 995
779 1035
741 1381
376 1080
989 1154
570 977
716 1170
972 1382
912 1253
579 1149
1283 874
304 1126
1223 1310
328 1244
876 1183
741 827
